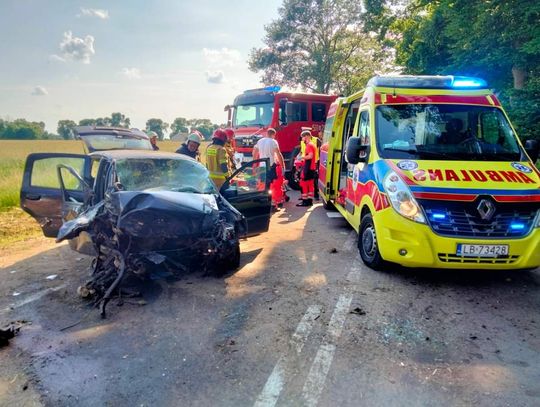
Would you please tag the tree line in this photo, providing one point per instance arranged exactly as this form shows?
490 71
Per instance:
21 129
335 46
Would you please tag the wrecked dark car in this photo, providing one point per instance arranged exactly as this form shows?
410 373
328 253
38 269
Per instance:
141 212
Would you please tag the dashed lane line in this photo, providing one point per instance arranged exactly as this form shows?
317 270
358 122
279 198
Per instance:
323 360
274 385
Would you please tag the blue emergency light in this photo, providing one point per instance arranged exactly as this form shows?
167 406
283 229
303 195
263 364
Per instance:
439 216
517 226
463 82
273 88
428 82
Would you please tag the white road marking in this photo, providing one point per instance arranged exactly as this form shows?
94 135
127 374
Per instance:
351 241
33 297
274 385
323 360
334 215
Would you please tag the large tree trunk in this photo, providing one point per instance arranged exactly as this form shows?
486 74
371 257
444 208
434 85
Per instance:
520 77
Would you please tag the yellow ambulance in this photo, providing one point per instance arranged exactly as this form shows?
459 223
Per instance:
430 173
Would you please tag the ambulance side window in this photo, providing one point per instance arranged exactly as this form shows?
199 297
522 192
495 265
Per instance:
350 120
363 128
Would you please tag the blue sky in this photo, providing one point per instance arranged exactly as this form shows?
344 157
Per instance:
68 59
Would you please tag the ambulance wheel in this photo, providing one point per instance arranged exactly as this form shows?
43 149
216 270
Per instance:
368 245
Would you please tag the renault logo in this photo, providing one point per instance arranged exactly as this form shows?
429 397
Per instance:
485 209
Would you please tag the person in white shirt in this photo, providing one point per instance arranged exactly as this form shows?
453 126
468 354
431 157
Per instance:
267 147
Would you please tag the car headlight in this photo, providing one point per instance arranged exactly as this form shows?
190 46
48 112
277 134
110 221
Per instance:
401 198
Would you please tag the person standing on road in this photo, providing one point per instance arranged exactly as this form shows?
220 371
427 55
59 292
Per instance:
317 143
267 147
217 160
191 146
153 140
308 169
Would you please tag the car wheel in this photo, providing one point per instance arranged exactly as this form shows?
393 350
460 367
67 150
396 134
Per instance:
368 245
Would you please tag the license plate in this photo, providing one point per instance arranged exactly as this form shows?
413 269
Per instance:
482 250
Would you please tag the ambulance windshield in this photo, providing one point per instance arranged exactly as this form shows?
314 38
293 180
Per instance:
449 132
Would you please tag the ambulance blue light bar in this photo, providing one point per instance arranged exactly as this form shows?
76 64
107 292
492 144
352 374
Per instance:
428 82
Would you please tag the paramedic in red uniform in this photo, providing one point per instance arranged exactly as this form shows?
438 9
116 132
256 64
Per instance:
267 147
308 170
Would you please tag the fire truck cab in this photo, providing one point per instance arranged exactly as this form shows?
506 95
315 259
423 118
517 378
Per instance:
430 173
256 110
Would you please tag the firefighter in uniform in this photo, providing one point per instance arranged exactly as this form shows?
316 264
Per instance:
217 160
308 169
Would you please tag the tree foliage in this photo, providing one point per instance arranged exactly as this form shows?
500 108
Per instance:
496 40
318 45
65 129
120 120
158 126
205 126
179 125
21 129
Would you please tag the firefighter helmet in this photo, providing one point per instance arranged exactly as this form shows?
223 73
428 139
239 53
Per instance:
230 133
220 134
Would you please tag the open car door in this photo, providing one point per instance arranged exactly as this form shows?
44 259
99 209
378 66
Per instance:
248 191
44 193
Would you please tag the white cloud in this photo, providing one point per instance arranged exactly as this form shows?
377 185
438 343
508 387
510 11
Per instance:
94 12
39 91
131 73
215 77
222 57
76 48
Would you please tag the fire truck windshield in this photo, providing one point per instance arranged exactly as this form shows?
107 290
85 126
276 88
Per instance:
256 114
448 132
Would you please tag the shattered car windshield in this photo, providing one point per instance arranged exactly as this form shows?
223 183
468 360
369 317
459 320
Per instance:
152 174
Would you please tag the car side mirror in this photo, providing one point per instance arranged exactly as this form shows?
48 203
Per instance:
289 112
356 151
532 148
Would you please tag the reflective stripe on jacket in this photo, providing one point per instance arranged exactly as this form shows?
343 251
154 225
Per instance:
215 157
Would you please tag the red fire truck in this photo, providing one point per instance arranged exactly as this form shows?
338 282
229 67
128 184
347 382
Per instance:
255 110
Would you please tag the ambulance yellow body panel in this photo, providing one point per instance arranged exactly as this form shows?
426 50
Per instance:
430 173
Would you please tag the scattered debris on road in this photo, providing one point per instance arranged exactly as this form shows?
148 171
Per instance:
358 311
333 250
8 332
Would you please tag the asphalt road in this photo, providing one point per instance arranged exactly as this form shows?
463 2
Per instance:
302 323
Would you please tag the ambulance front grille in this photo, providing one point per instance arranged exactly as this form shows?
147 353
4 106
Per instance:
462 219
453 258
